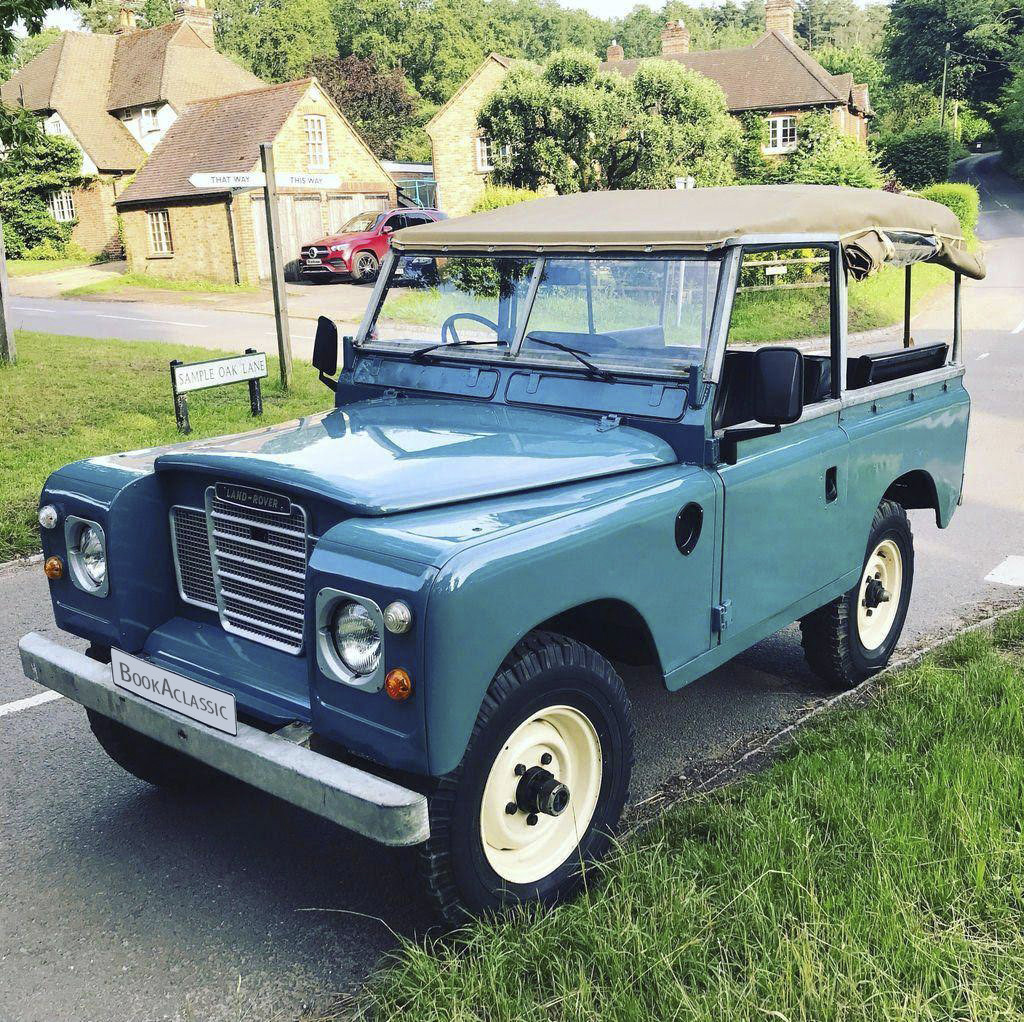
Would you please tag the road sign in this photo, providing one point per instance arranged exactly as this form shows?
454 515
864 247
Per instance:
307 180
215 372
258 180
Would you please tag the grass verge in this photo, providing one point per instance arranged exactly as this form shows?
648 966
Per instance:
875 872
127 281
30 267
75 397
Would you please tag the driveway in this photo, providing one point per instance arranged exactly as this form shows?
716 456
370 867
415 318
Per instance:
121 904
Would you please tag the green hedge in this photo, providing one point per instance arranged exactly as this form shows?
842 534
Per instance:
962 199
496 196
919 156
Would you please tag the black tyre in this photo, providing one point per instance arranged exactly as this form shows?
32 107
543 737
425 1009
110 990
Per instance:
540 790
149 760
365 267
853 637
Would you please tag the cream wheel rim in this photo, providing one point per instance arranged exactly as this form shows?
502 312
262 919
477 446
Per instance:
524 847
879 597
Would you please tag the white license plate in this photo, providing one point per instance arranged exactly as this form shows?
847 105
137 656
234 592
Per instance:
172 691
314 262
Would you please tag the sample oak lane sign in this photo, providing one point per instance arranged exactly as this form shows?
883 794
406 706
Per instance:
218 371
257 179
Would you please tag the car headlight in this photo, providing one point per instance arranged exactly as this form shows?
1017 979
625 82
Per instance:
339 249
94 557
357 638
87 555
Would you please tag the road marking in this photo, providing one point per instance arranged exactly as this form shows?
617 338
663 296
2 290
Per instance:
32 308
980 357
26 704
1017 329
139 319
1009 573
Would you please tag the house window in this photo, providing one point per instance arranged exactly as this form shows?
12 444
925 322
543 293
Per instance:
149 119
486 150
160 232
316 142
781 134
62 206
55 126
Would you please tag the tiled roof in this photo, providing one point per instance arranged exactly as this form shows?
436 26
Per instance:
214 136
773 73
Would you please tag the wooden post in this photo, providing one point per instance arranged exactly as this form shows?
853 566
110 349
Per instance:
255 394
284 339
180 402
8 352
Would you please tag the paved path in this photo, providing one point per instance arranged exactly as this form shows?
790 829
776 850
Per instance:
120 904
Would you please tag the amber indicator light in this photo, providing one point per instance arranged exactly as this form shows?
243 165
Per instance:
398 684
53 568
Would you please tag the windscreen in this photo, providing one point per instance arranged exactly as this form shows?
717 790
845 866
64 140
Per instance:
642 314
360 222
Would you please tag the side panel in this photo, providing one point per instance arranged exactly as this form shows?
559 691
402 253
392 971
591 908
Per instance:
487 597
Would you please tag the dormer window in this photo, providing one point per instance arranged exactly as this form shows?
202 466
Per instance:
148 119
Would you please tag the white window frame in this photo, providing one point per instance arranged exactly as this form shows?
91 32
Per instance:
783 134
485 153
148 119
62 205
318 156
160 241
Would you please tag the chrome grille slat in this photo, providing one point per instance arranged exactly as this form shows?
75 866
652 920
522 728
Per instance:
242 559
296 615
191 547
245 541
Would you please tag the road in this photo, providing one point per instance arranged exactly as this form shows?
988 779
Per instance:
121 904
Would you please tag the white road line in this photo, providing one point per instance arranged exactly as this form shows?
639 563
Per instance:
26 704
32 308
980 357
139 319
1009 573
1017 329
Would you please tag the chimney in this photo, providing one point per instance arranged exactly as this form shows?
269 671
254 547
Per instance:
615 52
125 21
778 17
198 15
675 39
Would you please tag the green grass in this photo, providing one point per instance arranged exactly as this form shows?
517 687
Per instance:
30 267
74 397
123 281
873 874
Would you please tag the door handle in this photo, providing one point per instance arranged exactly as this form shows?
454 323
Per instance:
831 484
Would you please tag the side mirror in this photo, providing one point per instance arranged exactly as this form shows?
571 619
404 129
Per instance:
325 347
387 229
778 385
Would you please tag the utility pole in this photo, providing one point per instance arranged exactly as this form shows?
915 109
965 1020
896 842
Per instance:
284 339
942 102
8 353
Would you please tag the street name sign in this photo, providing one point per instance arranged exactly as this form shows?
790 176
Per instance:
259 180
216 372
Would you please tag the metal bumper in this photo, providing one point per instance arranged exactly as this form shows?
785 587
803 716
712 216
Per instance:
369 805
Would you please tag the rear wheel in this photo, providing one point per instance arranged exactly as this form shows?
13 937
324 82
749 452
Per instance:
365 267
541 787
853 637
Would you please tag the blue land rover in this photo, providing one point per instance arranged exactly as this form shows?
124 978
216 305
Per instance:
548 454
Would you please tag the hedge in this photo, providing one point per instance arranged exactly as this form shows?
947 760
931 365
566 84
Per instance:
918 156
496 196
962 199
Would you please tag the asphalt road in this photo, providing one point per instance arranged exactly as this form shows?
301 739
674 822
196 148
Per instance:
121 904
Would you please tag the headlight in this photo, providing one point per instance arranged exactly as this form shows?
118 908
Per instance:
94 557
87 555
339 248
356 638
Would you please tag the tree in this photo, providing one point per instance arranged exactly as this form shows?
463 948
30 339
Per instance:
377 102
866 68
25 49
574 128
1009 122
826 156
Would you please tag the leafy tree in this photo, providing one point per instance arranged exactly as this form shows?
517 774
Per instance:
28 174
826 156
575 128
841 23
1009 122
25 49
865 67
377 102
920 156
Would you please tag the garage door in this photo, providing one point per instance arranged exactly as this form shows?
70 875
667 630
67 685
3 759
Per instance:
341 208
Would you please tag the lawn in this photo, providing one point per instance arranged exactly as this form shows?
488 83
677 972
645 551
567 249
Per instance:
127 281
30 267
75 397
875 873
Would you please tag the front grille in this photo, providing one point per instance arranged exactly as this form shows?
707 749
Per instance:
248 565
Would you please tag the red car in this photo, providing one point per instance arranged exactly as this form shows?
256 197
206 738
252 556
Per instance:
358 248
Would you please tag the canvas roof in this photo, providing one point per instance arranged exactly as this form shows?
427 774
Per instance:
703 219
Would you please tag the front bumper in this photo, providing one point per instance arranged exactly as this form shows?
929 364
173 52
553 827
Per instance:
356 799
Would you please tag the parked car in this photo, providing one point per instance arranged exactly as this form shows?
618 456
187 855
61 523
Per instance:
404 614
356 251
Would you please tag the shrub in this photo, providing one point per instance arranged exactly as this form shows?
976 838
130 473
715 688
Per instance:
962 199
825 156
496 196
919 156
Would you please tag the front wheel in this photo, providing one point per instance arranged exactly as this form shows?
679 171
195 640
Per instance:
365 267
541 787
853 637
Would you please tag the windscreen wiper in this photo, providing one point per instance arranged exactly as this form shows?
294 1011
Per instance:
420 352
580 356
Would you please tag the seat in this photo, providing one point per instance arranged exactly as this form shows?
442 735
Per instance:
865 370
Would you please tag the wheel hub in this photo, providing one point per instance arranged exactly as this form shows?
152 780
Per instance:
874 594
879 597
539 791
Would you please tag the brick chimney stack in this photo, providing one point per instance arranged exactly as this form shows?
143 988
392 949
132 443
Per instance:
125 21
198 15
615 52
778 16
675 39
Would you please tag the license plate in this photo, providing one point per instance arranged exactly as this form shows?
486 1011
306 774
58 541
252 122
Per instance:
314 262
190 698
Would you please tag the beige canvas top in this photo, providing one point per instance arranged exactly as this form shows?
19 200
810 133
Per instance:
706 218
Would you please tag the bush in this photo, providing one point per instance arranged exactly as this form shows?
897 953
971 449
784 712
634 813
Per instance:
496 196
962 199
825 156
919 156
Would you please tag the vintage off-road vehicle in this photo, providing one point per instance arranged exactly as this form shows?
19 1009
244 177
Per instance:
546 456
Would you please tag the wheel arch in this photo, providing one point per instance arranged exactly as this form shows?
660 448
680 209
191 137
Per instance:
916 490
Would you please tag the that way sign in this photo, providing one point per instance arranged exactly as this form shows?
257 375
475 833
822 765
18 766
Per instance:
257 179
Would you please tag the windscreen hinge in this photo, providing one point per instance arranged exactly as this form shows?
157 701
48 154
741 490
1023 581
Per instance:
721 616
712 451
607 422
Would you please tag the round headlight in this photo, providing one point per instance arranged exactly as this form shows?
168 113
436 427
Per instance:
48 516
356 638
92 556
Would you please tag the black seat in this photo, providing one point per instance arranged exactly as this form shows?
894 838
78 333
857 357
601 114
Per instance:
865 370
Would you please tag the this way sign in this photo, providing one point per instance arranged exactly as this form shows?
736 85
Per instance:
258 180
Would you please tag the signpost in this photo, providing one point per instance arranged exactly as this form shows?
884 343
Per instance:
284 338
8 352
216 372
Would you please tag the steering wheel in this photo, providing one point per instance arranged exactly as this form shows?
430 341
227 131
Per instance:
448 326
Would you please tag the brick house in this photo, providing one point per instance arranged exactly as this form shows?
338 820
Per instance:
773 77
173 229
116 96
